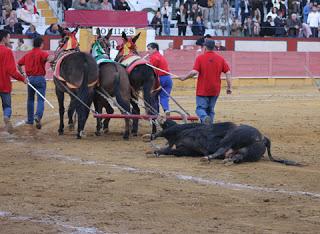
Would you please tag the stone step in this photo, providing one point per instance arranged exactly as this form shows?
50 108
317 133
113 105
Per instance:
42 5
46 13
51 20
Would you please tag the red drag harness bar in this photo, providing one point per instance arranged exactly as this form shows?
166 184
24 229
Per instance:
146 117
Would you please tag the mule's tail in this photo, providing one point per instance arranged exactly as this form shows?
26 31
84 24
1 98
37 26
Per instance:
267 143
83 89
116 90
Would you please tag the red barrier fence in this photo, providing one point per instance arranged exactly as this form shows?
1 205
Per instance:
244 64
253 64
106 18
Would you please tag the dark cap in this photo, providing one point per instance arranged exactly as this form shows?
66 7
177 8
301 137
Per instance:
209 44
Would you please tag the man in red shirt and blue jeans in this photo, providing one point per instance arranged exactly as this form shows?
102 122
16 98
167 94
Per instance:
159 61
35 62
209 67
7 69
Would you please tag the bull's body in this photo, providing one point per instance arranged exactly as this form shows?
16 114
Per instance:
225 140
193 139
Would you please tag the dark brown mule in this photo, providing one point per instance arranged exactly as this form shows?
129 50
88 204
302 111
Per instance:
142 77
77 76
113 81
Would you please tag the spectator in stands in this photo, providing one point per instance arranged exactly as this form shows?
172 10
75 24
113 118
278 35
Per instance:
218 46
313 21
157 24
267 30
305 31
123 6
30 6
80 5
306 10
114 4
94 5
205 10
21 46
166 12
283 9
53 30
246 10
12 16
294 7
182 20
198 28
106 5
293 25
32 32
215 10
257 16
248 27
273 14
201 40
208 67
279 24
236 28
17 4
225 24
13 28
159 61
194 12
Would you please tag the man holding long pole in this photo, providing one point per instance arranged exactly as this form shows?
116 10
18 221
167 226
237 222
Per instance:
158 61
7 69
34 62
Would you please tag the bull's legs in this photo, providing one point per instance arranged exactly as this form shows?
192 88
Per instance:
219 154
60 97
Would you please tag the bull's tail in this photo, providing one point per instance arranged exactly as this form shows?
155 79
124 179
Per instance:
267 143
116 90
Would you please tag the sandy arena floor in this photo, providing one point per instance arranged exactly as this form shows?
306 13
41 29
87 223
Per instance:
57 184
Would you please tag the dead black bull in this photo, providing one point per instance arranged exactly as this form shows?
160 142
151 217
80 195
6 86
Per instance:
224 140
245 144
193 139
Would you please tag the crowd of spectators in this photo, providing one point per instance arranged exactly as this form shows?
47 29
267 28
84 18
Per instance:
266 18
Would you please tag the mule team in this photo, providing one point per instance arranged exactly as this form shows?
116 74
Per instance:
95 78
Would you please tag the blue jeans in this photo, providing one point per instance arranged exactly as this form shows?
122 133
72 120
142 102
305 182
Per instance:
166 84
40 84
166 26
205 107
6 104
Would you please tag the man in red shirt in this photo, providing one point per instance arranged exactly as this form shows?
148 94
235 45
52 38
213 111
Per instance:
209 67
159 61
35 62
7 69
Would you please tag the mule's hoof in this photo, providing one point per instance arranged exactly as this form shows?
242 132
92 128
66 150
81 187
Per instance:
146 138
134 134
71 127
78 136
105 130
60 133
125 137
98 133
